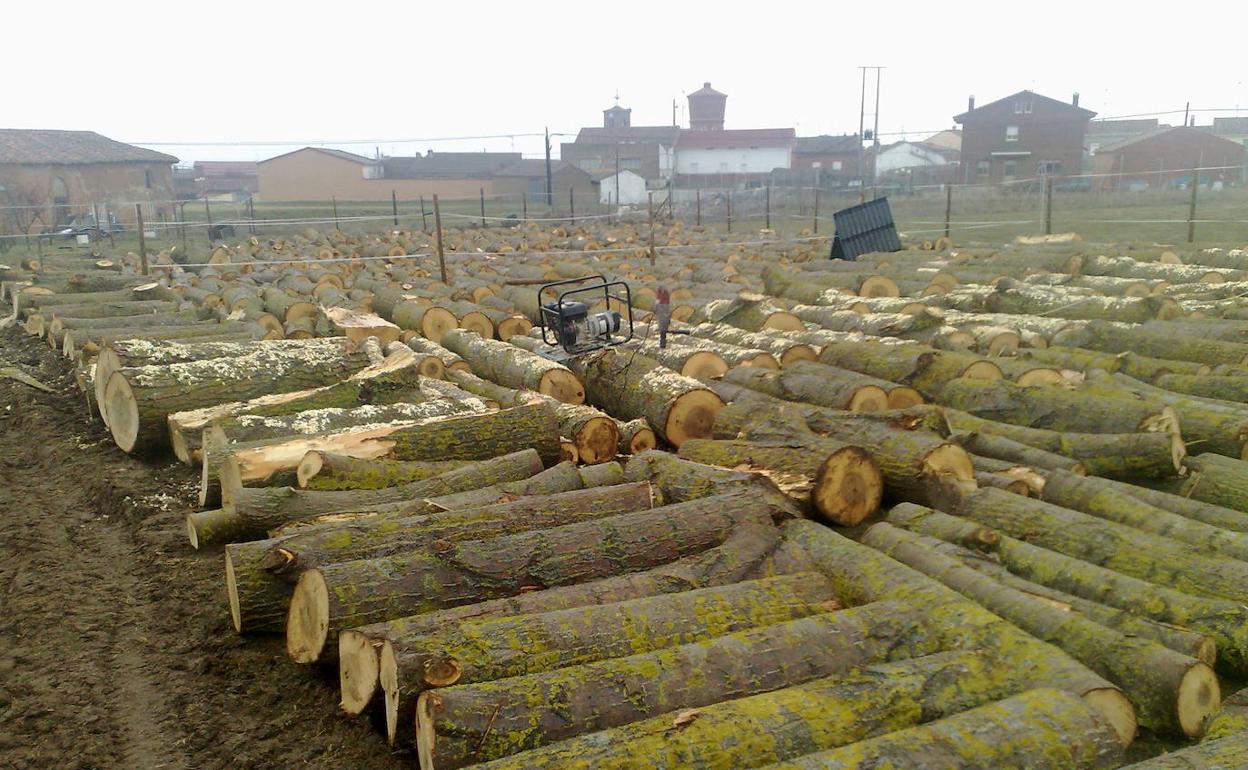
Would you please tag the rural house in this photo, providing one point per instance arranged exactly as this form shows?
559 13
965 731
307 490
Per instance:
645 150
916 163
626 187
828 161
1022 136
1166 157
47 177
230 179
708 155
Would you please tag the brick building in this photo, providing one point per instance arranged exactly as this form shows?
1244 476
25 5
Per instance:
644 150
235 179
1022 136
1166 157
47 177
828 161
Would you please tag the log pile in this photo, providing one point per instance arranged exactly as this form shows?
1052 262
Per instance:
506 567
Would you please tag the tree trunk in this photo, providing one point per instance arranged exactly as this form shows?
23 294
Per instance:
1172 693
431 321
1108 544
260 574
428 348
1213 479
681 480
1218 516
791 722
1227 752
1056 408
1225 621
733 560
1002 448
686 360
458 726
860 574
325 471
1036 730
514 367
491 650
340 596
1230 718
140 399
817 384
255 510
840 482
394 380
786 351
636 436
1113 455
108 309
563 477
754 313
630 386
1151 341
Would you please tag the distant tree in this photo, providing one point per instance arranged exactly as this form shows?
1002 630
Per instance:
24 205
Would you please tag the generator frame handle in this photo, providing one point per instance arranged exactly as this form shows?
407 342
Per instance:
600 284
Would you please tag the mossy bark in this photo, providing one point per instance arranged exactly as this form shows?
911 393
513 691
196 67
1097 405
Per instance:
860 574
635 436
1051 408
1216 515
337 472
1228 752
260 574
788 723
1223 388
514 367
457 726
1155 678
1230 719
1036 730
785 350
372 590
1002 448
681 480
1213 479
1154 342
1226 621
563 477
817 384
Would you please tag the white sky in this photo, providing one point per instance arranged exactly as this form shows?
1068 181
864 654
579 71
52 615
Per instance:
229 71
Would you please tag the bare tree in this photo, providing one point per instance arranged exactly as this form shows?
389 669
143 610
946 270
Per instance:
24 203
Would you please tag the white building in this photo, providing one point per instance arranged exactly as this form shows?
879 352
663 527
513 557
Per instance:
907 155
629 190
728 157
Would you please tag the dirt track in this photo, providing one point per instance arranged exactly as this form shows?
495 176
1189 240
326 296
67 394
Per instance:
116 649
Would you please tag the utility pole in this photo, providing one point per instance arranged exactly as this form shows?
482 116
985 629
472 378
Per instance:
550 195
617 175
875 138
875 132
138 217
437 223
1187 108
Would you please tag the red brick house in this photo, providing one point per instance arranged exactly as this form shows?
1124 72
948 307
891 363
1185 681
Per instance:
829 161
1166 157
1022 136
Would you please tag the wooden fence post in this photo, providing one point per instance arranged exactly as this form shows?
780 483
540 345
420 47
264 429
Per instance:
138 216
437 223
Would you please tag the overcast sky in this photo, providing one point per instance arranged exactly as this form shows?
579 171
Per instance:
237 72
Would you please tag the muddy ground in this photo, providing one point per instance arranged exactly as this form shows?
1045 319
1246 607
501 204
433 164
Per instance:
116 649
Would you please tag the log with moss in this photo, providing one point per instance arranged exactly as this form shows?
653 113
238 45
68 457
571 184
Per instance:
461 725
1217 515
923 368
260 574
1003 448
334 597
491 650
324 471
1042 729
140 399
838 481
564 477
629 386
430 349
680 479
1112 455
1230 718
1016 298
751 313
1226 753
1226 621
791 722
786 351
635 436
1172 692
1213 479
513 367
912 462
817 384
1155 342
860 574
253 511
736 559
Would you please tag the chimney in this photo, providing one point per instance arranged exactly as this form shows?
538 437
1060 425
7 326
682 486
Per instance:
970 103
1074 100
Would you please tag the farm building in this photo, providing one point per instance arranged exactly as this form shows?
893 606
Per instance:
828 161
528 176
1021 136
626 187
1106 132
645 150
1166 157
233 179
919 162
52 176
708 155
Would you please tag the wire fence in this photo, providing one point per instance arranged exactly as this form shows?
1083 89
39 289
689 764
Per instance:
1206 205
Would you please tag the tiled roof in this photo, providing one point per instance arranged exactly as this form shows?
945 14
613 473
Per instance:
51 147
827 143
741 137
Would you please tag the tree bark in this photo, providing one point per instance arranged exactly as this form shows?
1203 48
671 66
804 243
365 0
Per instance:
753 313
635 436
325 471
860 574
140 399
563 477
1002 448
430 349
1154 342
260 574
786 351
514 367
1218 516
681 480
1230 718
339 596
630 386
817 384
1213 479
736 559
492 650
457 726
685 360
1226 752
1172 693
255 510
432 321
1037 730
838 481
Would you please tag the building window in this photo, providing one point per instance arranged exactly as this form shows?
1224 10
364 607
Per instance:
1010 169
1049 167
588 164
147 178
372 171
1011 133
836 165
630 164
983 167
693 167
1022 107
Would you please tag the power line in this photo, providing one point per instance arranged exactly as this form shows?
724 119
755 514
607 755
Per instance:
326 142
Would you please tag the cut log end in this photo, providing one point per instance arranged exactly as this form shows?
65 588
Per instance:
868 398
307 625
904 397
230 477
1117 710
641 441
427 706
704 365
231 590
192 533
598 440
309 467
431 367
562 385
436 322
950 463
1199 697
122 409
983 370
798 353
180 450
692 415
785 322
1040 377
358 671
847 487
